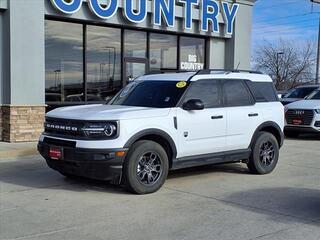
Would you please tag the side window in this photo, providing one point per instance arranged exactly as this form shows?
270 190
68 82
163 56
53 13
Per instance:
263 91
207 91
236 93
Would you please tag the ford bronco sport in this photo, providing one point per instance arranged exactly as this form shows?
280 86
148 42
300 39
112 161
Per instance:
168 121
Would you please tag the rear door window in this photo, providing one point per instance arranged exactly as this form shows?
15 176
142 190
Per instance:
263 91
236 93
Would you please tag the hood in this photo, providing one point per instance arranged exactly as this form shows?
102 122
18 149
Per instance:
106 112
305 104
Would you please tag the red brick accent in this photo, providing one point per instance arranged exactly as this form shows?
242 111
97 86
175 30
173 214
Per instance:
22 123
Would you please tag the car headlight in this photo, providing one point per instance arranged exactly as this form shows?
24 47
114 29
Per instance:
317 111
101 130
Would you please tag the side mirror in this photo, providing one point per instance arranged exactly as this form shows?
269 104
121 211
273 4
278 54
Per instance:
193 104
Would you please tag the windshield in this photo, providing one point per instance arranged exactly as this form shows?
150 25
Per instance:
314 96
300 92
155 94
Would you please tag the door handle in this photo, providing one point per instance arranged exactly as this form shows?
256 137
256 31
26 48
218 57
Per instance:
253 114
216 117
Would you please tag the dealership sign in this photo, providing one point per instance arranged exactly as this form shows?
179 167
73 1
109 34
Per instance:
192 64
162 10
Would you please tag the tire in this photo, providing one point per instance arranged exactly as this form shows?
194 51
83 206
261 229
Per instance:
146 167
265 154
291 134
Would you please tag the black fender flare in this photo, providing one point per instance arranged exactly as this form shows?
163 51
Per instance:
265 125
153 131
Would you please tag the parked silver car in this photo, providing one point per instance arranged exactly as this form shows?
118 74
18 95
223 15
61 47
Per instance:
298 93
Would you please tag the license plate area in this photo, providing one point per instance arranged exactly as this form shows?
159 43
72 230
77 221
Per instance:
56 153
297 122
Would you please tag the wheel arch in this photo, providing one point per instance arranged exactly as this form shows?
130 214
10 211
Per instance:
272 128
158 136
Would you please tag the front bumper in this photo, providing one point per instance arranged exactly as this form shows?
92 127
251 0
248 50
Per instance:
301 129
100 164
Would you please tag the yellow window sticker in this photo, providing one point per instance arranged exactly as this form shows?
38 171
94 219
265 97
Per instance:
181 84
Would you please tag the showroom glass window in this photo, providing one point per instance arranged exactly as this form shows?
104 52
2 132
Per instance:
192 53
64 62
103 63
135 44
163 52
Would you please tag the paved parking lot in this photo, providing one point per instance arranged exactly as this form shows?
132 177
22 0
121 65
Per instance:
215 202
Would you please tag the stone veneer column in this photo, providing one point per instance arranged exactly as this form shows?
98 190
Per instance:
22 123
23 67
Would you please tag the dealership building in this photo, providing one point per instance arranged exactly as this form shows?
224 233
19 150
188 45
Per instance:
69 52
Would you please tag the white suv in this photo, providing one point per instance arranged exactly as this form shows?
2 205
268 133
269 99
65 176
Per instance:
303 116
163 122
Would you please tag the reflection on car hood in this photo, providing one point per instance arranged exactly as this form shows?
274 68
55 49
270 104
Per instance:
106 112
305 104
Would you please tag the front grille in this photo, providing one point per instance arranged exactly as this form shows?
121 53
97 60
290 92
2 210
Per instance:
59 143
64 127
299 117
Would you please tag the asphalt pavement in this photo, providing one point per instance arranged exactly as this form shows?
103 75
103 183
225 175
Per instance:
212 202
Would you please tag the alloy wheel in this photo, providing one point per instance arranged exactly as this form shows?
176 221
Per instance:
267 153
149 168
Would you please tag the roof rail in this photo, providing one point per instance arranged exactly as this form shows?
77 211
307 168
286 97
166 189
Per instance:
209 71
165 71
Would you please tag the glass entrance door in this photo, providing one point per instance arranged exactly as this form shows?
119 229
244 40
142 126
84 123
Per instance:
134 68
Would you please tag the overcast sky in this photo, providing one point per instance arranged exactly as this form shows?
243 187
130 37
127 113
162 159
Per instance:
296 20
